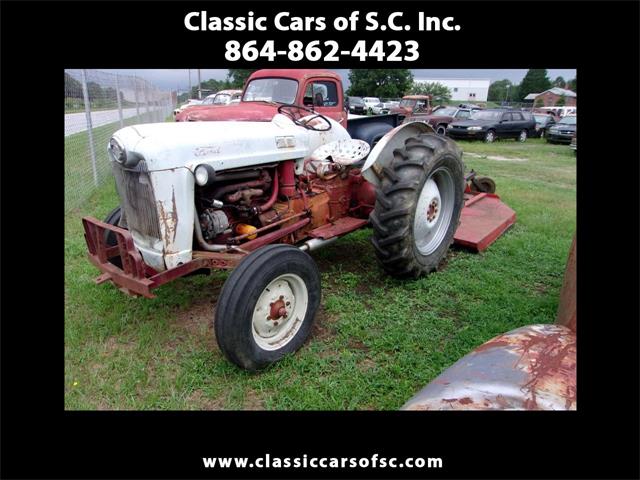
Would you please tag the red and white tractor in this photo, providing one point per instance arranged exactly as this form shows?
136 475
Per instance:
258 196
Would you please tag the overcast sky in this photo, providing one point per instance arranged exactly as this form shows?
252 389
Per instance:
179 79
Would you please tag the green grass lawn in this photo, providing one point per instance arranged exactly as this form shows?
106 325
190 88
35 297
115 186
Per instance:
376 340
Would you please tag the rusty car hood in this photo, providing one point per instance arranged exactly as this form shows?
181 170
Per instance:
239 112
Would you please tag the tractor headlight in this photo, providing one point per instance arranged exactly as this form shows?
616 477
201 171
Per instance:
474 129
204 174
117 151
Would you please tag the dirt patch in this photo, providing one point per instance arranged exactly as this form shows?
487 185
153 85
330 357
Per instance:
324 326
366 364
358 345
195 322
252 401
200 401
113 344
497 158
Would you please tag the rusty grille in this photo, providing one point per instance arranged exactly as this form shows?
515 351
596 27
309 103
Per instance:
137 198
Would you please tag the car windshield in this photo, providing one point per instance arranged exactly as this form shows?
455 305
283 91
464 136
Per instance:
485 115
407 102
568 121
449 112
222 99
356 101
279 90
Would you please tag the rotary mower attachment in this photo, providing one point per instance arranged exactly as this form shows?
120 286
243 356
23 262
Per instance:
484 216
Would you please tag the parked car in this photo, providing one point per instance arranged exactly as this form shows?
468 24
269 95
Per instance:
543 123
490 124
563 131
191 102
370 102
441 117
223 97
357 105
383 108
413 104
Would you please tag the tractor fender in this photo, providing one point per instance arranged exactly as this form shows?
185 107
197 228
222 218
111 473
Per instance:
383 151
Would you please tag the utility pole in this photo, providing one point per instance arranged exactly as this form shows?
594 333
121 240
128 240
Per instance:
189 95
199 89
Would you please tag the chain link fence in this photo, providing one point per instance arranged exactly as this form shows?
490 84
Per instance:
96 104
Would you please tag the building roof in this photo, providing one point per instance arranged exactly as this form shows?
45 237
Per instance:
560 91
531 96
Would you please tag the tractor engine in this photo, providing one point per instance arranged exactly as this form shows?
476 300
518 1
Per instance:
242 204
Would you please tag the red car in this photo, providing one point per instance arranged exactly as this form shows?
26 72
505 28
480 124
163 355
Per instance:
442 117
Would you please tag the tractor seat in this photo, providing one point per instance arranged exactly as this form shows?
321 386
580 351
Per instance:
342 152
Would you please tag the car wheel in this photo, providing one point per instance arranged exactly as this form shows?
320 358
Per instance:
418 206
267 306
490 136
441 130
523 136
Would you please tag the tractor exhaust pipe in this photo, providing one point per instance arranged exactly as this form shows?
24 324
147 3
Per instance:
316 243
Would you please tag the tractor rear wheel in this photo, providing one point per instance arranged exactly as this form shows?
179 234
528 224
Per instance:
267 306
418 205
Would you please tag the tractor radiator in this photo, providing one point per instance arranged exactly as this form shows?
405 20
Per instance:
137 199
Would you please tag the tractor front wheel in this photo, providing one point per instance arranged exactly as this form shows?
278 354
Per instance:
267 306
418 205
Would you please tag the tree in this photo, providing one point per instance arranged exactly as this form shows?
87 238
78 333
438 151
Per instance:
561 102
499 90
72 87
236 77
439 92
571 85
535 81
383 83
559 82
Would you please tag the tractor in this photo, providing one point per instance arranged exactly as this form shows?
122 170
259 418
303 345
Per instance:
257 196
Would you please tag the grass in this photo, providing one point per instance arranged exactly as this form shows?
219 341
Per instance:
376 340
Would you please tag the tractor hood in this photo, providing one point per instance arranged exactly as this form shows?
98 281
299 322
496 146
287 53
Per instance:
239 112
223 145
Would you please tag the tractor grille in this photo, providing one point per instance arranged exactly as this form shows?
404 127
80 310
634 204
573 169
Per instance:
138 202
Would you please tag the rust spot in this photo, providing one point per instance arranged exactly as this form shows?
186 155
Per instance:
465 401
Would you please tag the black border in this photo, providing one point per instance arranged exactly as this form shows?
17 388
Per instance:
40 440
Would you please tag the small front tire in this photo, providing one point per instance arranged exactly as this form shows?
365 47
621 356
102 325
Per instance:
267 306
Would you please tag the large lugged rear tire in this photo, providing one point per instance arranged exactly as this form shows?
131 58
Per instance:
418 205
267 306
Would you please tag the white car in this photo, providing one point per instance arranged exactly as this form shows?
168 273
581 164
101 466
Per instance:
370 102
190 103
383 107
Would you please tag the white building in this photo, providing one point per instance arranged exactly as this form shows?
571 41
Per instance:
463 89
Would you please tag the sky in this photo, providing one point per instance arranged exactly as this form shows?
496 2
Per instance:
173 79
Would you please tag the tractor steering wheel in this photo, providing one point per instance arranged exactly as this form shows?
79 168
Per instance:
288 110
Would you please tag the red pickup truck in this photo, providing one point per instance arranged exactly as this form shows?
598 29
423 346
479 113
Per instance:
321 90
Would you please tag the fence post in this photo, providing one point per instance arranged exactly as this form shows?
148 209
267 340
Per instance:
146 99
135 90
119 103
87 113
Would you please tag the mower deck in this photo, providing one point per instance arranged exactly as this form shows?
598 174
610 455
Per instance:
483 219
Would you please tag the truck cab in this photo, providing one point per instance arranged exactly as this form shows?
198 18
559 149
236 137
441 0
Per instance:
320 90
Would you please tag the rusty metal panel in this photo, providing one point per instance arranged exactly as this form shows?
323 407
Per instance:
483 219
567 314
530 368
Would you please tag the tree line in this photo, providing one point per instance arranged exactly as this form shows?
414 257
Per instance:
395 83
